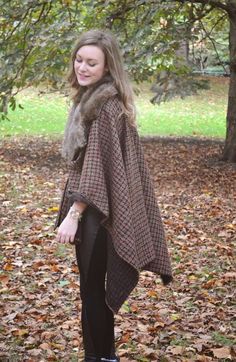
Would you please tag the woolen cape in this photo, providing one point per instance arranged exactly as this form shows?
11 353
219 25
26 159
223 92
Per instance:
109 173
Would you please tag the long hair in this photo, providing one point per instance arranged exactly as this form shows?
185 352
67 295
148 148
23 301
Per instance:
114 62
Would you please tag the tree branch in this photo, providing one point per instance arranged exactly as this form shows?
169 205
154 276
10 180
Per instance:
42 15
213 27
18 24
214 46
214 3
200 15
30 8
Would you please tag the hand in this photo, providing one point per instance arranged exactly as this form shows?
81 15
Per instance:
67 230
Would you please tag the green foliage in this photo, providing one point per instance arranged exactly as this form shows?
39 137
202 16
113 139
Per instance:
168 85
210 41
37 37
222 339
145 32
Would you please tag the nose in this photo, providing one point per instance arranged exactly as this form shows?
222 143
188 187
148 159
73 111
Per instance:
82 67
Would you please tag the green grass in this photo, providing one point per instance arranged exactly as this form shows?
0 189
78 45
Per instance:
200 115
42 115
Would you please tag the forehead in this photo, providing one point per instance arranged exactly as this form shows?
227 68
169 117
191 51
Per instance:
90 52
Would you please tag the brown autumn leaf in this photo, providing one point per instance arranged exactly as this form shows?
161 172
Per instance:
8 267
197 197
54 268
209 284
125 338
38 264
134 308
223 352
152 293
4 279
59 346
230 276
203 358
20 332
47 335
175 350
35 352
44 346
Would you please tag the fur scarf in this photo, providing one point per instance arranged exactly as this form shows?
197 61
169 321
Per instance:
82 114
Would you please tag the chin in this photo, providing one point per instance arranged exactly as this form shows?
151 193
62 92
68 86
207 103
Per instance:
85 83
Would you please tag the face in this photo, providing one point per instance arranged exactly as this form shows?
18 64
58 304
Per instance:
89 65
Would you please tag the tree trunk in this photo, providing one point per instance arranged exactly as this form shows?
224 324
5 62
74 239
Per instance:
4 105
229 153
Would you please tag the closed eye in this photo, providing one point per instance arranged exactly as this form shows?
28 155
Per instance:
79 60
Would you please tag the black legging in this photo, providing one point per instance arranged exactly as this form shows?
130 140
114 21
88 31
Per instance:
97 318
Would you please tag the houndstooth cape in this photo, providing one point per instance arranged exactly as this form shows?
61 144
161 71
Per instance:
109 173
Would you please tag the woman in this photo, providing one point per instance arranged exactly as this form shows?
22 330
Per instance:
108 208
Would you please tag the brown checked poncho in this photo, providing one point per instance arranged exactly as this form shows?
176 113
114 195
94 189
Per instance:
109 172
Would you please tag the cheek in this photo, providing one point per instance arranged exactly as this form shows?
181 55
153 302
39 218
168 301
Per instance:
76 65
101 70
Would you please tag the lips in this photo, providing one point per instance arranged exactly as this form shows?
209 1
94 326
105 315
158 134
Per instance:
83 77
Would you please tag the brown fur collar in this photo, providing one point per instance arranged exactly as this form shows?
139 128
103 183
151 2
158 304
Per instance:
81 116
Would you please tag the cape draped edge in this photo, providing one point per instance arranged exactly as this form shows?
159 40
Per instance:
115 179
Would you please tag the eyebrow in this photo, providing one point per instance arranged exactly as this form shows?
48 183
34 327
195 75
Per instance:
89 59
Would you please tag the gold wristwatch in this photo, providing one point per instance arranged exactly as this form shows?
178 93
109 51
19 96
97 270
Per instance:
75 214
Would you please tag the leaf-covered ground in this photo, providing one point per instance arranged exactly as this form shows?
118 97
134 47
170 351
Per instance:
192 320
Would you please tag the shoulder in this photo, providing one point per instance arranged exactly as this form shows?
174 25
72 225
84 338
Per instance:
112 107
110 121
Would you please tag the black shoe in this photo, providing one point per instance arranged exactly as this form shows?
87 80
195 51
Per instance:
91 359
94 359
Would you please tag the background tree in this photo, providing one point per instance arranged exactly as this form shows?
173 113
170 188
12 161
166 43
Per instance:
167 25
228 7
37 36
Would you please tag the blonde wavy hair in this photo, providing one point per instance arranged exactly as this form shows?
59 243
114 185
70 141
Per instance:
114 62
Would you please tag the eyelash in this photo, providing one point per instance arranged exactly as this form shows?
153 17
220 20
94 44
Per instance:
91 65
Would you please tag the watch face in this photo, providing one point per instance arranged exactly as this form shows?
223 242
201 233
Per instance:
75 214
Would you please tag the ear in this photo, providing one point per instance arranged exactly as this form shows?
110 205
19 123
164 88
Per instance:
106 70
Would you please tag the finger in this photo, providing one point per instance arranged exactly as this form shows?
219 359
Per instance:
63 239
60 238
66 238
71 240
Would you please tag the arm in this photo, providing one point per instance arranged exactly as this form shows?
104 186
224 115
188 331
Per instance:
67 230
92 187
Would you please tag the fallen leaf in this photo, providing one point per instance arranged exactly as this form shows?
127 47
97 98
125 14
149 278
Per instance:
223 352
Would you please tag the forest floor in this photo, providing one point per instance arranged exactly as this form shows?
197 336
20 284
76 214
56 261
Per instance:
190 320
